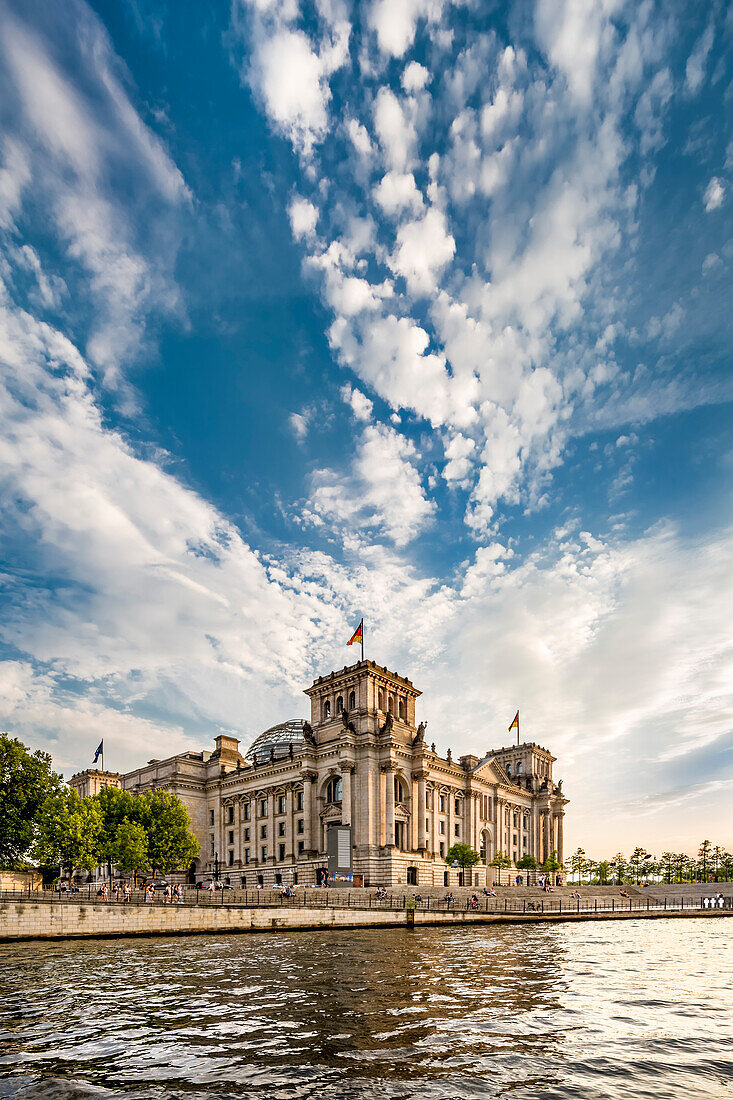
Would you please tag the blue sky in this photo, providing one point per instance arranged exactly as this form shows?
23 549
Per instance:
412 310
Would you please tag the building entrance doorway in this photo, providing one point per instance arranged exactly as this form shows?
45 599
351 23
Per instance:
412 876
321 875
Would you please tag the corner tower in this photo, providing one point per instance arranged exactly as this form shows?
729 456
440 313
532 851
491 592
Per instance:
362 697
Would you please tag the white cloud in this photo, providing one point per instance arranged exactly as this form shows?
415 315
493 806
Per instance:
398 191
395 131
303 218
423 248
299 424
697 61
395 22
458 451
294 86
714 194
73 137
415 77
574 34
359 137
383 493
361 406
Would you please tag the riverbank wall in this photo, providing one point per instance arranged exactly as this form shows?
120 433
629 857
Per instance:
33 920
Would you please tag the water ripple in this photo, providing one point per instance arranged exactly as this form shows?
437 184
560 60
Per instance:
609 1011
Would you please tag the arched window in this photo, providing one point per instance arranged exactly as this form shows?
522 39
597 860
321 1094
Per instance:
352 700
399 790
327 708
519 768
509 769
380 699
390 704
402 708
333 790
339 704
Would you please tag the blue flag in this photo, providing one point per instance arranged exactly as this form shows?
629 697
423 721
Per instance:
99 752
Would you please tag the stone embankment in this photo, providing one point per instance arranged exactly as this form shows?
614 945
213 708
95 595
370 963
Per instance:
32 918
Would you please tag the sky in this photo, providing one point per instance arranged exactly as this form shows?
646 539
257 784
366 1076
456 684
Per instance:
412 310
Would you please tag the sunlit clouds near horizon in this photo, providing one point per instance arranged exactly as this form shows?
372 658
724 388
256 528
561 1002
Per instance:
408 310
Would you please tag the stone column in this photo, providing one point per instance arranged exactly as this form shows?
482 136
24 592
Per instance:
422 809
436 810
559 837
272 840
449 824
290 845
546 849
346 794
309 812
388 806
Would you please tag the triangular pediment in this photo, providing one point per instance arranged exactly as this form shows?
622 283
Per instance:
490 772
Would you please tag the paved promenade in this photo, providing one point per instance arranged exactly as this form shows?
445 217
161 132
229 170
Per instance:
48 917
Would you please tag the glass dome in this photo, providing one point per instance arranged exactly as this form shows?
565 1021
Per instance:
274 744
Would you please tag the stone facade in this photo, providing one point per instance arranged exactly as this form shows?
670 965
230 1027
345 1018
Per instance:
361 760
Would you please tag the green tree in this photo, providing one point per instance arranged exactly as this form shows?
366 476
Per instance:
717 857
131 847
70 832
115 806
171 844
26 784
552 863
500 860
604 872
464 855
527 863
668 865
704 854
726 865
622 867
577 862
639 857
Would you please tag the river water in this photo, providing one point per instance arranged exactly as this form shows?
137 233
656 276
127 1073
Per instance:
609 1010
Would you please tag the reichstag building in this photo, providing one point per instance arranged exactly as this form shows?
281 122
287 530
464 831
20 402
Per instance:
263 816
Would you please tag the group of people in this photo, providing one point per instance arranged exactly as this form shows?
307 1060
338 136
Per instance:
714 903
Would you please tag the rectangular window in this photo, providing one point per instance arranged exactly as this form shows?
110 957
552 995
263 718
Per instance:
281 804
263 807
211 839
299 826
458 806
442 849
442 804
231 836
281 828
458 830
246 855
246 834
281 852
427 825
442 826
263 854
299 800
230 814
230 856
211 817
301 847
263 832
246 811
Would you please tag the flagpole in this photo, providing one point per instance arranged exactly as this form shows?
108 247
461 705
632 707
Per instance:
517 727
362 639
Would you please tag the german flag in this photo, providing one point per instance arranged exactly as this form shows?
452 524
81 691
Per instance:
358 635
515 723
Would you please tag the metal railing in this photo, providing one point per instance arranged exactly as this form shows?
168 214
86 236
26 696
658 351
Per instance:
306 897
